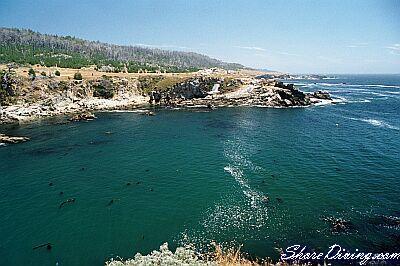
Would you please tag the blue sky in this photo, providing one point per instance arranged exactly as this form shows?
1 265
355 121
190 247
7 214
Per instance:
341 36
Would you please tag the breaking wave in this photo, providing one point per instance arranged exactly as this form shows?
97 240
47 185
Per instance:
356 85
376 123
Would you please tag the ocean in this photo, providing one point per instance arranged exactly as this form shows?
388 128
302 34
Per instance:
263 178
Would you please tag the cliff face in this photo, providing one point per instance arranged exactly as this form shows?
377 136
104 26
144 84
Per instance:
28 98
44 97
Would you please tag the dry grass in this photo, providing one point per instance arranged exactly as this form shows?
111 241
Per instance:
90 73
230 257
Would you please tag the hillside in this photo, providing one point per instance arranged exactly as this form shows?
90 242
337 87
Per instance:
29 47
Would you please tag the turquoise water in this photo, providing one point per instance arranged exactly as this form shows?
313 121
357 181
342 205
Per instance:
198 176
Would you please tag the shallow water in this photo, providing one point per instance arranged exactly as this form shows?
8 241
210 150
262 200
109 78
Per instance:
198 176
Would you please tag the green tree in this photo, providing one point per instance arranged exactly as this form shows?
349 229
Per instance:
43 73
57 73
78 76
32 73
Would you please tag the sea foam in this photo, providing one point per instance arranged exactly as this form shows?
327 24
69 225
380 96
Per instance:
375 122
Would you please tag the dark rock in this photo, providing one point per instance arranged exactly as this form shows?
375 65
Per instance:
384 220
265 199
110 202
338 225
12 140
156 96
71 200
149 113
82 117
323 95
47 245
280 84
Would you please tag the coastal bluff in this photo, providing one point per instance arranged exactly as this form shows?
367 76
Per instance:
26 98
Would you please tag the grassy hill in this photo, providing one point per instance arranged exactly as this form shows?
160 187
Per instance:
28 47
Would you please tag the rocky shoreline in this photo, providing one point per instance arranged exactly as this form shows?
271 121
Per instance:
275 95
46 97
4 139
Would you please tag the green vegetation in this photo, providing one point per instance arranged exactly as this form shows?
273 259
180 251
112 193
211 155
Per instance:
104 89
57 73
24 54
28 47
160 83
103 92
230 84
32 73
78 76
43 73
63 85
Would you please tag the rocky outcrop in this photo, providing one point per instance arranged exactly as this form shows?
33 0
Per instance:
12 140
82 117
251 93
280 84
323 95
51 97
195 88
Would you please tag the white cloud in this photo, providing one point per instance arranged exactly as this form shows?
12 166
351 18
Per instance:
394 49
357 45
251 48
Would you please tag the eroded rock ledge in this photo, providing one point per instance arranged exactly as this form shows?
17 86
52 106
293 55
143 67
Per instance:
254 92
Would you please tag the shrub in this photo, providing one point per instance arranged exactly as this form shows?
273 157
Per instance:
103 89
32 73
43 73
63 85
57 73
103 92
78 76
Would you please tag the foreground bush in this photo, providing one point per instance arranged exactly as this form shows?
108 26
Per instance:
182 256
187 256
78 76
